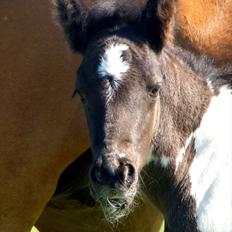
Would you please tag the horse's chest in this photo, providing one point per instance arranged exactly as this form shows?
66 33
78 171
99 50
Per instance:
211 169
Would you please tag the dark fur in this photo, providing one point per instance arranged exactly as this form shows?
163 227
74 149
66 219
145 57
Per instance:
171 194
126 119
80 23
203 66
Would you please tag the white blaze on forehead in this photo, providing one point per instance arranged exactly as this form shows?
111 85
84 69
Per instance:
112 63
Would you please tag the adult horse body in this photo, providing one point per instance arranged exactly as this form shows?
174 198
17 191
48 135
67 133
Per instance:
204 28
152 110
41 128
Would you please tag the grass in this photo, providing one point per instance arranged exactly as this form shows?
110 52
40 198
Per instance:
34 229
162 227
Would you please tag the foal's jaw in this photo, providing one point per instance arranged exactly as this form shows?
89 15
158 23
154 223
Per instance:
116 204
114 184
116 191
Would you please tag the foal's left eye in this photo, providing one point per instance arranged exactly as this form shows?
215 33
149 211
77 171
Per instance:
153 90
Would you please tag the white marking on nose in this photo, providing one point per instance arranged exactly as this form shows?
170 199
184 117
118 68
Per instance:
121 155
112 63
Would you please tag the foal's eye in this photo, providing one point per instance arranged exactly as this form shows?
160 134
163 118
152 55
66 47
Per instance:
153 90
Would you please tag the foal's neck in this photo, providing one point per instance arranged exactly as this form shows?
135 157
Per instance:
184 98
189 170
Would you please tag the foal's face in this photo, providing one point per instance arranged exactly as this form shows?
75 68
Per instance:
119 83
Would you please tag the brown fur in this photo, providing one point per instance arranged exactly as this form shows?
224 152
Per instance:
42 130
204 26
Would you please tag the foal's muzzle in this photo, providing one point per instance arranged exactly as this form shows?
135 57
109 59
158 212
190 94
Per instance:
112 172
113 184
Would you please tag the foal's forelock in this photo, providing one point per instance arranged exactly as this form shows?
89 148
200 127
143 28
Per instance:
112 62
113 67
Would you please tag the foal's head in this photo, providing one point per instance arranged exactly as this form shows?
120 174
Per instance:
119 81
119 86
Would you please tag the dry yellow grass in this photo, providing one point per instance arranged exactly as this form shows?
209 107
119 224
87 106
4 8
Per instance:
34 229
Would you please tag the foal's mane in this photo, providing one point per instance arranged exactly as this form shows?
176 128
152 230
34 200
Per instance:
203 66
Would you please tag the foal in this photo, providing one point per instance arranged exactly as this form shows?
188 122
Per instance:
154 111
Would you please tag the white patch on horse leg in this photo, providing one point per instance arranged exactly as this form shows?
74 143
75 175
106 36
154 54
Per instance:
182 151
211 172
112 63
164 161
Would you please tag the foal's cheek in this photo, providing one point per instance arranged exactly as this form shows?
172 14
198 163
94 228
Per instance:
153 119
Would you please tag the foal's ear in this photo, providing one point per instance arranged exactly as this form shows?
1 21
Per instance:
73 15
157 20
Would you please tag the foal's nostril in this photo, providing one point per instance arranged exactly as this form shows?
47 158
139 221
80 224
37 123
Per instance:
129 174
130 170
102 175
119 173
126 174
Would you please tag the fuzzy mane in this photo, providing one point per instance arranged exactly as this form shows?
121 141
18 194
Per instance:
203 66
82 23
